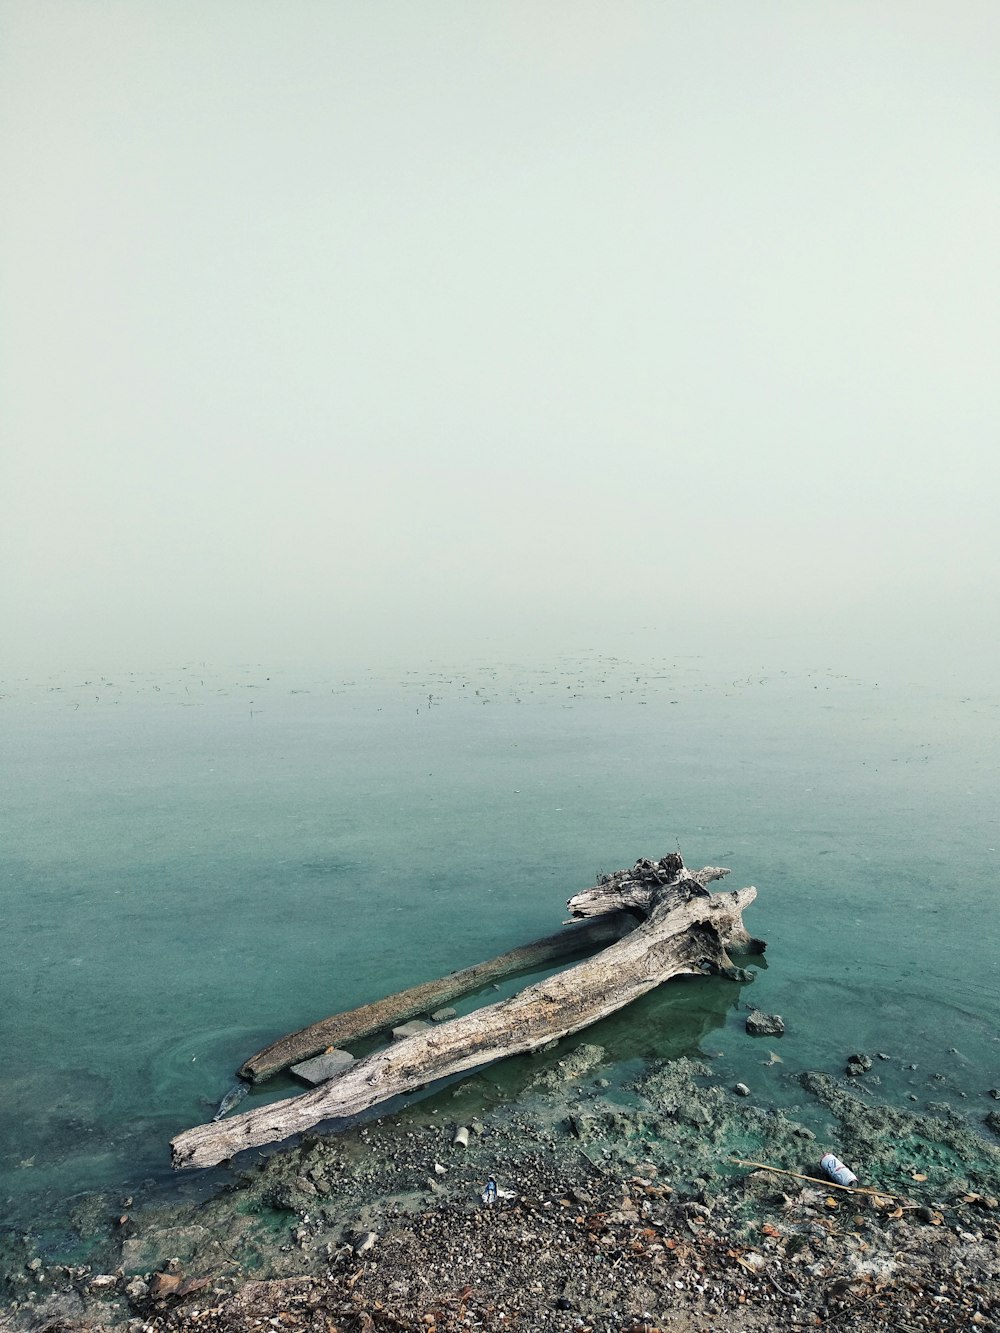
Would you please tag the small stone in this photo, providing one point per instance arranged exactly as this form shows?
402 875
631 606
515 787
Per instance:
865 1061
741 1089
765 1025
365 1242
995 1094
442 1015
882 1055
694 1209
103 1282
34 1265
136 1289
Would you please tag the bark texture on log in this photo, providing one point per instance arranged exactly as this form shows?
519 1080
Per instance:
354 1024
637 889
687 931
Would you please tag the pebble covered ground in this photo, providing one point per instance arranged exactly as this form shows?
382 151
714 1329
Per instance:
618 1210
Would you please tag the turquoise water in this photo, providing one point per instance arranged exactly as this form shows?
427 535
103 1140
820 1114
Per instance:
194 863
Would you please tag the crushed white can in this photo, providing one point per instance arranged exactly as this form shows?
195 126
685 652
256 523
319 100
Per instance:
837 1171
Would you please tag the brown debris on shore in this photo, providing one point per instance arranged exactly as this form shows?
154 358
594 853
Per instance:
620 1217
621 1265
623 1255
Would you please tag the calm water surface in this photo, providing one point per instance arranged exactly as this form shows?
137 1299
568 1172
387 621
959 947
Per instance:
193 863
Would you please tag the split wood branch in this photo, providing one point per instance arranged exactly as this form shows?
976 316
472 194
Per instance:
687 931
380 1015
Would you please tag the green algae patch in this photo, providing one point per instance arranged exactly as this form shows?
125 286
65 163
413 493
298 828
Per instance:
889 1146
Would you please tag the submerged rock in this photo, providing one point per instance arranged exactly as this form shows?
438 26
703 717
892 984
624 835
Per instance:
765 1025
579 1062
323 1067
157 1247
411 1029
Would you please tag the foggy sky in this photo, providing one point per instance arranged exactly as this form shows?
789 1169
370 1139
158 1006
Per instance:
370 329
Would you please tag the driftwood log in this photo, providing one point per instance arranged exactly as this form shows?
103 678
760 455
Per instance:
684 929
355 1024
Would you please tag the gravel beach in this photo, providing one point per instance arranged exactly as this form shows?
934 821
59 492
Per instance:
617 1209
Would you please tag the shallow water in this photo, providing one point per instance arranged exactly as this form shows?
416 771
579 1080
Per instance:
193 864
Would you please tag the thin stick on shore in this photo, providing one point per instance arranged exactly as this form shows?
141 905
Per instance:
817 1180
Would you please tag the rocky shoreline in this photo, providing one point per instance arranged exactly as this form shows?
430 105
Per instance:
618 1209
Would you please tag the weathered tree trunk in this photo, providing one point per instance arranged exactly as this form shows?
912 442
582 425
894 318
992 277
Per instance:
354 1024
686 930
